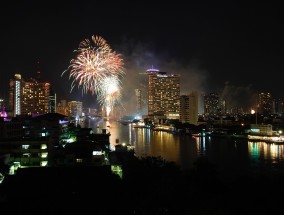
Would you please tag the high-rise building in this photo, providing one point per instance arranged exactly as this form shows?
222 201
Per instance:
52 101
143 86
278 106
163 94
35 97
189 108
75 109
15 94
28 97
138 100
62 107
265 103
212 104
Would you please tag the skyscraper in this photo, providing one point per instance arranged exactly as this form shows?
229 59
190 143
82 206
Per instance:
265 103
212 104
62 107
163 94
28 97
15 94
52 101
278 106
75 109
138 100
189 108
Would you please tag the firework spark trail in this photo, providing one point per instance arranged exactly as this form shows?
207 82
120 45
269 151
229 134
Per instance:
97 69
110 90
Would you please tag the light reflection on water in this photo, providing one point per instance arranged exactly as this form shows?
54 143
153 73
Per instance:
184 150
271 155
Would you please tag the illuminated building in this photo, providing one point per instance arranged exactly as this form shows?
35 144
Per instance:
15 94
62 107
35 98
265 103
163 94
189 108
212 104
138 100
261 129
52 101
75 108
25 153
28 97
278 106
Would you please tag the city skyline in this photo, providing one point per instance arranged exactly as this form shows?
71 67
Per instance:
219 47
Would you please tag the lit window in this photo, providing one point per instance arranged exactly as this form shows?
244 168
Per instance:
44 154
26 155
43 163
97 152
25 146
79 160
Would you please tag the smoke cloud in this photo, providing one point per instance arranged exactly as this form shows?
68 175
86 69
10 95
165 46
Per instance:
138 57
241 97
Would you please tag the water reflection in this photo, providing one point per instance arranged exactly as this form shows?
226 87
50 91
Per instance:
185 149
265 150
270 155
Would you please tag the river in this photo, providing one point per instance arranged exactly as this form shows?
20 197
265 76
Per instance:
225 153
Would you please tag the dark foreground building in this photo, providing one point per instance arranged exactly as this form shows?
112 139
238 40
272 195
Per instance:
149 186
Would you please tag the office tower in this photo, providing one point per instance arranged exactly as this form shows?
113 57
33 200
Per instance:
223 106
278 106
138 100
212 104
15 88
28 97
265 103
189 108
35 97
15 94
62 107
52 101
75 109
163 94
143 86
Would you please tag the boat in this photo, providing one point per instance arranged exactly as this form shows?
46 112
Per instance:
278 139
219 133
264 133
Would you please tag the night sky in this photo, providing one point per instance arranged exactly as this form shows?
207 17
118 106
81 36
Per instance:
234 48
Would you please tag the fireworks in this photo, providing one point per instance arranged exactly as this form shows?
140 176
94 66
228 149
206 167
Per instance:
111 92
97 69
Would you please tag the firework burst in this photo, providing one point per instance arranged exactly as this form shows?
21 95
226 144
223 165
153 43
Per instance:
110 91
97 69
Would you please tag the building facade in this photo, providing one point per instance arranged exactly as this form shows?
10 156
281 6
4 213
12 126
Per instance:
212 105
163 94
28 97
189 108
138 96
52 101
75 108
62 107
265 104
